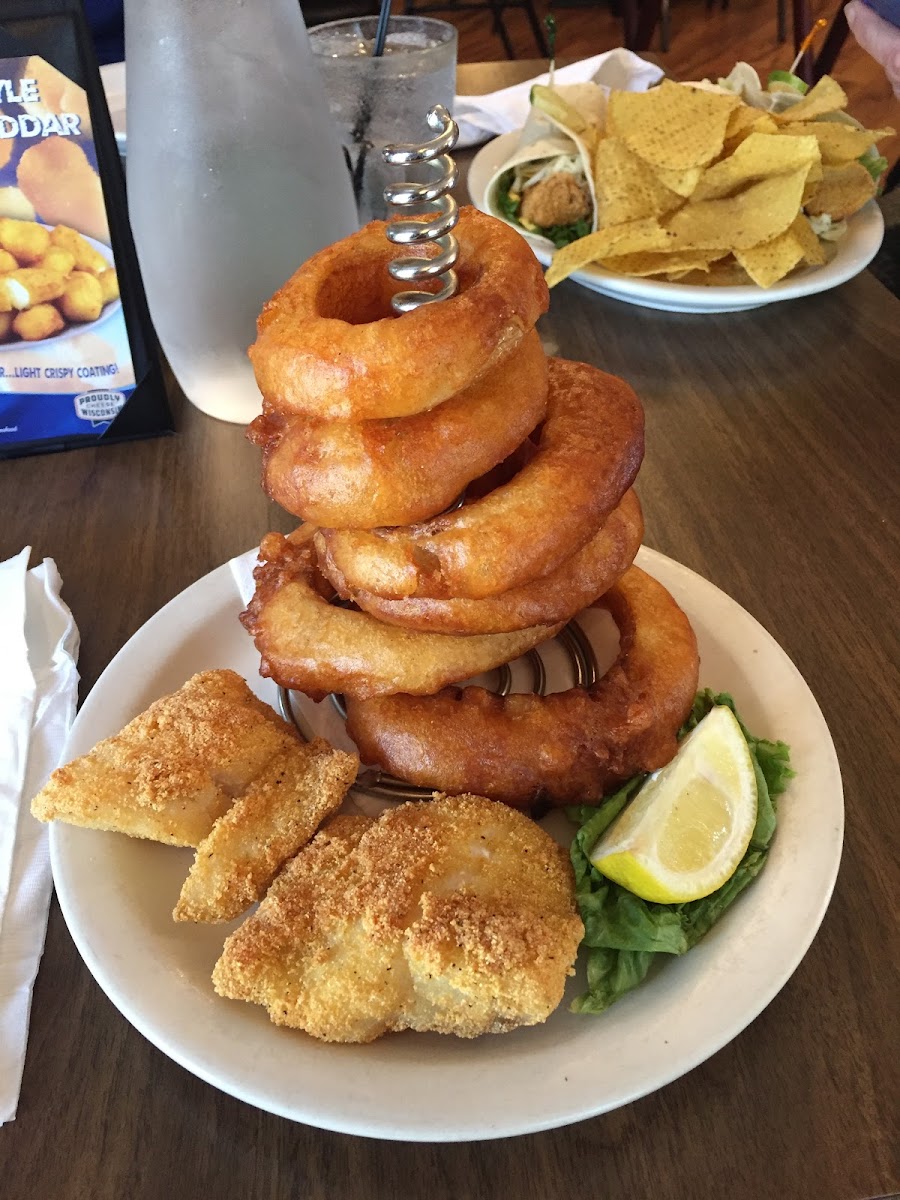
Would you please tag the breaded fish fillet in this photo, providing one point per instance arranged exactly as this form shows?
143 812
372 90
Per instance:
455 915
176 768
278 813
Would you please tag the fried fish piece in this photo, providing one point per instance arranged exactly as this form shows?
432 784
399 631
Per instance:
277 814
176 768
455 915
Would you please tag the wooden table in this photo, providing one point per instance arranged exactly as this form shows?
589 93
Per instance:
771 469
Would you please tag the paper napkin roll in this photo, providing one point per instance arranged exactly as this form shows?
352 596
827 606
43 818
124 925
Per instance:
482 117
38 698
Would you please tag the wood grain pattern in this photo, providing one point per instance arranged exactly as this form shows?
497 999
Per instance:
771 469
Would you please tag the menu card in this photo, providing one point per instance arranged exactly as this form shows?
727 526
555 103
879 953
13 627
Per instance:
77 361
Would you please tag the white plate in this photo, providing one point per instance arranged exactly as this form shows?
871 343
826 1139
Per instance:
117 896
854 253
112 75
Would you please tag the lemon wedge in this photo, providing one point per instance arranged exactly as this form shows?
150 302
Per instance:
689 826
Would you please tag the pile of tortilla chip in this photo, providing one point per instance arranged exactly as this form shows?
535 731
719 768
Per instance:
696 186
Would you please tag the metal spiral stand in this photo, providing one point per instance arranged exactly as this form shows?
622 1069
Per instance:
433 202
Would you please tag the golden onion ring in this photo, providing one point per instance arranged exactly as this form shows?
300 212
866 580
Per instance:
402 469
589 573
589 451
565 748
307 644
328 344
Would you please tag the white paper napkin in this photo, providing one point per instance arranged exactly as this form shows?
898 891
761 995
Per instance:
38 697
482 117
242 569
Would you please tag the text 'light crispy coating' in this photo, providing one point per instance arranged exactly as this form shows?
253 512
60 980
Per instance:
568 747
176 768
455 916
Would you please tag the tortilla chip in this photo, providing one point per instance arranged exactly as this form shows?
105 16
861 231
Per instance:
838 143
627 188
659 263
724 274
771 261
762 124
758 214
631 237
813 252
759 156
827 96
816 172
841 192
680 182
671 126
740 118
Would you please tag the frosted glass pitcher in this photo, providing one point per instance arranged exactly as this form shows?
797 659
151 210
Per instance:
235 176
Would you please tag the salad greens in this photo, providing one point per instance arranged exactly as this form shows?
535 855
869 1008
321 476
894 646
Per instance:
622 933
876 164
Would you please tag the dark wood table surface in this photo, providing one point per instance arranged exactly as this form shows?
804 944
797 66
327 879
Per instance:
771 469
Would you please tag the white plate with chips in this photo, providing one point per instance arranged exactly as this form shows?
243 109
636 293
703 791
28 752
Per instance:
865 232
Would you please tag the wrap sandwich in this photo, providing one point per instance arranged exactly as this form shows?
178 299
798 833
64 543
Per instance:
546 186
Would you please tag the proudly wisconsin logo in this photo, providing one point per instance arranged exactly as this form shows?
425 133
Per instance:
99 407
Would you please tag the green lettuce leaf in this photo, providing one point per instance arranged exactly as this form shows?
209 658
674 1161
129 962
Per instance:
562 235
876 164
509 208
623 934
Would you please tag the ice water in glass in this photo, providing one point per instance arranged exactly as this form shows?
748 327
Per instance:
376 101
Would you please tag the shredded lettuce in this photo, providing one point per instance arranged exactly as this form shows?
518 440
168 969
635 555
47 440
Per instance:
876 164
624 935
509 207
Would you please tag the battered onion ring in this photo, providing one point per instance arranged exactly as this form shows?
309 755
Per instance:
307 644
329 346
556 597
589 452
567 748
402 469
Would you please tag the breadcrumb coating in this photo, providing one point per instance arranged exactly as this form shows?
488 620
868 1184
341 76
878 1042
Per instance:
176 768
455 915
277 815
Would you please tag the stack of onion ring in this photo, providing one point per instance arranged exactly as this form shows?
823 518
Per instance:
372 425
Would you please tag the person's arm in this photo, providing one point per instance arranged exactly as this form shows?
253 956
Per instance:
878 38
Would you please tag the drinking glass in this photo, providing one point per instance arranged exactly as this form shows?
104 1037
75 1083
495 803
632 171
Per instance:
375 101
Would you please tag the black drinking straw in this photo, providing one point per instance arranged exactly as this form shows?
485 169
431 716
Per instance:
381 31
364 116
